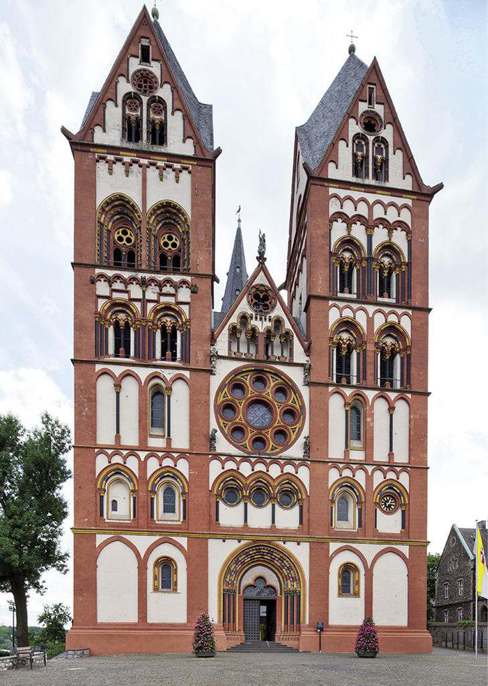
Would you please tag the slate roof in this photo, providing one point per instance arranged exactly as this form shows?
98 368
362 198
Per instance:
89 107
468 536
317 133
201 113
237 274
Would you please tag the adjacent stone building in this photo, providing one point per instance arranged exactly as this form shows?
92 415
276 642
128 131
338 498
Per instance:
265 461
455 587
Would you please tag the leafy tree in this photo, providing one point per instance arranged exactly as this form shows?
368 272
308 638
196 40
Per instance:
53 620
432 565
32 508
367 639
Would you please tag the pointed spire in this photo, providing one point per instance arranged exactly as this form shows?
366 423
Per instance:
237 274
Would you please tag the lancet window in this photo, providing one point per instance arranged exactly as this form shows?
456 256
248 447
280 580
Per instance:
132 118
380 160
243 338
360 156
278 341
156 121
170 336
118 232
393 358
347 260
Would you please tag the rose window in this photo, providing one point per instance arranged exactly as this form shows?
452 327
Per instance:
262 299
124 236
144 82
132 106
157 109
389 502
260 411
170 242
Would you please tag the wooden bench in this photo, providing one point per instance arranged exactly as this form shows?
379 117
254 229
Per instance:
28 655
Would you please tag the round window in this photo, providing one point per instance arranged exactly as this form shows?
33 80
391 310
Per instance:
169 241
259 414
238 434
124 236
258 443
286 498
259 497
290 417
231 495
259 410
229 411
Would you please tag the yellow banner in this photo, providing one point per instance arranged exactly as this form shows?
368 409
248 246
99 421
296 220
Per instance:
481 567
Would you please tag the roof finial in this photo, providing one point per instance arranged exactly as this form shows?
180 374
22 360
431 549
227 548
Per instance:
239 217
262 247
352 47
155 12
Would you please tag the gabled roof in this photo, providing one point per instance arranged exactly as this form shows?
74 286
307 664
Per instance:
237 274
200 114
466 536
317 133
222 321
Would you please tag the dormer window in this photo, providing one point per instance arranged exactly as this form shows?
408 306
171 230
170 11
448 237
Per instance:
145 52
371 96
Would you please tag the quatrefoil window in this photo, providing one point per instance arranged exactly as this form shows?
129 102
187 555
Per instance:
124 236
262 299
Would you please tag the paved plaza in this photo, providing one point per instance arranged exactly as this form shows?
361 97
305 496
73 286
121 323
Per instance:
442 668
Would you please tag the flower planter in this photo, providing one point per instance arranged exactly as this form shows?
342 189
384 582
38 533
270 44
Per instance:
366 653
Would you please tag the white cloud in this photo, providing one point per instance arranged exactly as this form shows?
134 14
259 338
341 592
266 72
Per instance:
5 188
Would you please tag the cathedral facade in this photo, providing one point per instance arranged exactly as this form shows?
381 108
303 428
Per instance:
265 463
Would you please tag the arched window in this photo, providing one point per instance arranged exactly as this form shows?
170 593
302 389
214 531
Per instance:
169 338
347 258
446 590
169 500
346 508
118 232
360 156
231 493
278 342
243 338
380 160
390 372
157 411
156 121
119 499
348 580
169 243
345 345
131 118
121 335
388 265
165 575
356 425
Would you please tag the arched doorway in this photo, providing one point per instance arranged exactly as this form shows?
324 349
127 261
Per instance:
262 593
260 611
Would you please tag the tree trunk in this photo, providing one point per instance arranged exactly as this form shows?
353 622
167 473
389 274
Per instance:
17 584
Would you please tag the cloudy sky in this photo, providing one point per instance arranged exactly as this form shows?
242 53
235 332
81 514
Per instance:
264 66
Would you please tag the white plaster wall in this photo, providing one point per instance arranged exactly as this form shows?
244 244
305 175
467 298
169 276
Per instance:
116 584
169 189
180 414
105 409
368 550
258 517
231 516
142 543
129 411
401 426
389 523
118 182
113 117
343 169
347 610
381 429
336 427
287 518
167 607
218 552
390 591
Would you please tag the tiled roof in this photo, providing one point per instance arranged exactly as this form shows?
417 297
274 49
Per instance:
201 113
89 107
317 133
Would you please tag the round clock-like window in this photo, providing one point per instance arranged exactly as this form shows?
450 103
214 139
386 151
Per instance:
144 82
259 410
389 502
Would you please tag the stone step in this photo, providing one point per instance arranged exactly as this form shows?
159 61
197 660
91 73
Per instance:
261 647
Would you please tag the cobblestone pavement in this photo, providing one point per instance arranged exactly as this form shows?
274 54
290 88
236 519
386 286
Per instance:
442 668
